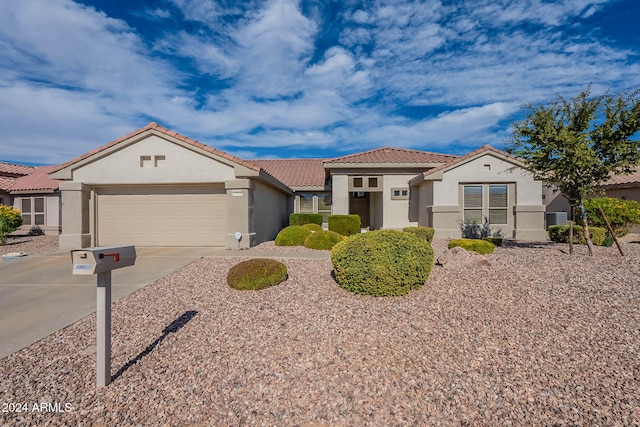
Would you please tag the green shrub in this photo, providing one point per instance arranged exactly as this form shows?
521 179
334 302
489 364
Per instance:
425 233
346 225
622 214
292 235
382 263
324 239
313 227
497 241
480 246
10 220
560 234
305 218
255 274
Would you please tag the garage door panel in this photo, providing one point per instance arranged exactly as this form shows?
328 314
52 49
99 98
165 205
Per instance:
162 216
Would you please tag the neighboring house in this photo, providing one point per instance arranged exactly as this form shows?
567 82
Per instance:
30 190
624 186
155 187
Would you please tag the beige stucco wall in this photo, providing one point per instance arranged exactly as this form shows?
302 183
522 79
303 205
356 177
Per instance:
340 194
446 211
269 213
180 165
396 212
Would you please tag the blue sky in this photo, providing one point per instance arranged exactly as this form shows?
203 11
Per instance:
286 78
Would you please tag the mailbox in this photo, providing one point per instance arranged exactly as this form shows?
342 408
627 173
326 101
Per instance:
102 259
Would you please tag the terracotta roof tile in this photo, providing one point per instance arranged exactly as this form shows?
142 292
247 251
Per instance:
156 127
393 155
7 183
295 172
483 149
11 169
621 180
37 181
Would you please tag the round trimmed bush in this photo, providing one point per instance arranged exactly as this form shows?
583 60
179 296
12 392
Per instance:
323 239
382 263
476 245
292 235
313 227
421 232
255 274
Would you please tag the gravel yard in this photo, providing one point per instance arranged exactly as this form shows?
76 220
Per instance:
539 338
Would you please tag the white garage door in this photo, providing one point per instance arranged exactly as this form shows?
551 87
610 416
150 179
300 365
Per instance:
162 216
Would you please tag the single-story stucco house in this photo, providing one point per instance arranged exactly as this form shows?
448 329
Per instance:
155 187
31 190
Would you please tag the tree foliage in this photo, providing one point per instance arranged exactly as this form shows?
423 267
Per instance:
577 144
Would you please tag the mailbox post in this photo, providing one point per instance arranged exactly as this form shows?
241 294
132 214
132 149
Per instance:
101 261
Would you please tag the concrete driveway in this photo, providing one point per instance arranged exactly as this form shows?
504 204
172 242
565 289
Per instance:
39 295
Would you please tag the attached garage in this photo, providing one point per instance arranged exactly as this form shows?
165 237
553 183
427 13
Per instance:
194 215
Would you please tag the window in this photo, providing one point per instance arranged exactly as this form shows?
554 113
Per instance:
498 204
365 183
473 204
33 209
324 205
373 182
494 208
357 182
399 193
306 203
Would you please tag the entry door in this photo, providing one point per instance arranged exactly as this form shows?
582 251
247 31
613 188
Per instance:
359 204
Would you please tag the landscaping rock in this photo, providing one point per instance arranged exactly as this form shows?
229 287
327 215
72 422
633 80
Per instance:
458 257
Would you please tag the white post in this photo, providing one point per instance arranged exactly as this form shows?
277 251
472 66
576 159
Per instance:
103 314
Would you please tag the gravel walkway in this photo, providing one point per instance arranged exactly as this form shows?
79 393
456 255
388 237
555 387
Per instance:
539 338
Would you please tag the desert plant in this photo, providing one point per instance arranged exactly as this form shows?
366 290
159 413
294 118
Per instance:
346 225
313 227
10 220
560 234
476 245
305 218
255 274
292 235
425 233
323 239
382 263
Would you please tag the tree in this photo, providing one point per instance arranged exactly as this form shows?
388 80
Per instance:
577 144
10 220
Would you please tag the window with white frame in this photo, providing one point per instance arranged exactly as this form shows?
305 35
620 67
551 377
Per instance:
314 203
490 201
33 210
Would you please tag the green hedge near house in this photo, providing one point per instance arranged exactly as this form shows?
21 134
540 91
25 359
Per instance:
305 218
293 235
347 225
560 234
621 214
425 233
255 274
480 246
323 239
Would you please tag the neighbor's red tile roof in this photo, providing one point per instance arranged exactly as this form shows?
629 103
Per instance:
453 162
631 179
295 172
37 181
6 183
11 169
161 129
393 155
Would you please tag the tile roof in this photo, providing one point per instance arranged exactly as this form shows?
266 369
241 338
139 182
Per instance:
393 155
6 183
156 127
15 170
621 180
295 172
37 181
463 159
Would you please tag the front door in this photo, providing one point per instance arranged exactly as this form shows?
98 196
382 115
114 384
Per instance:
359 204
